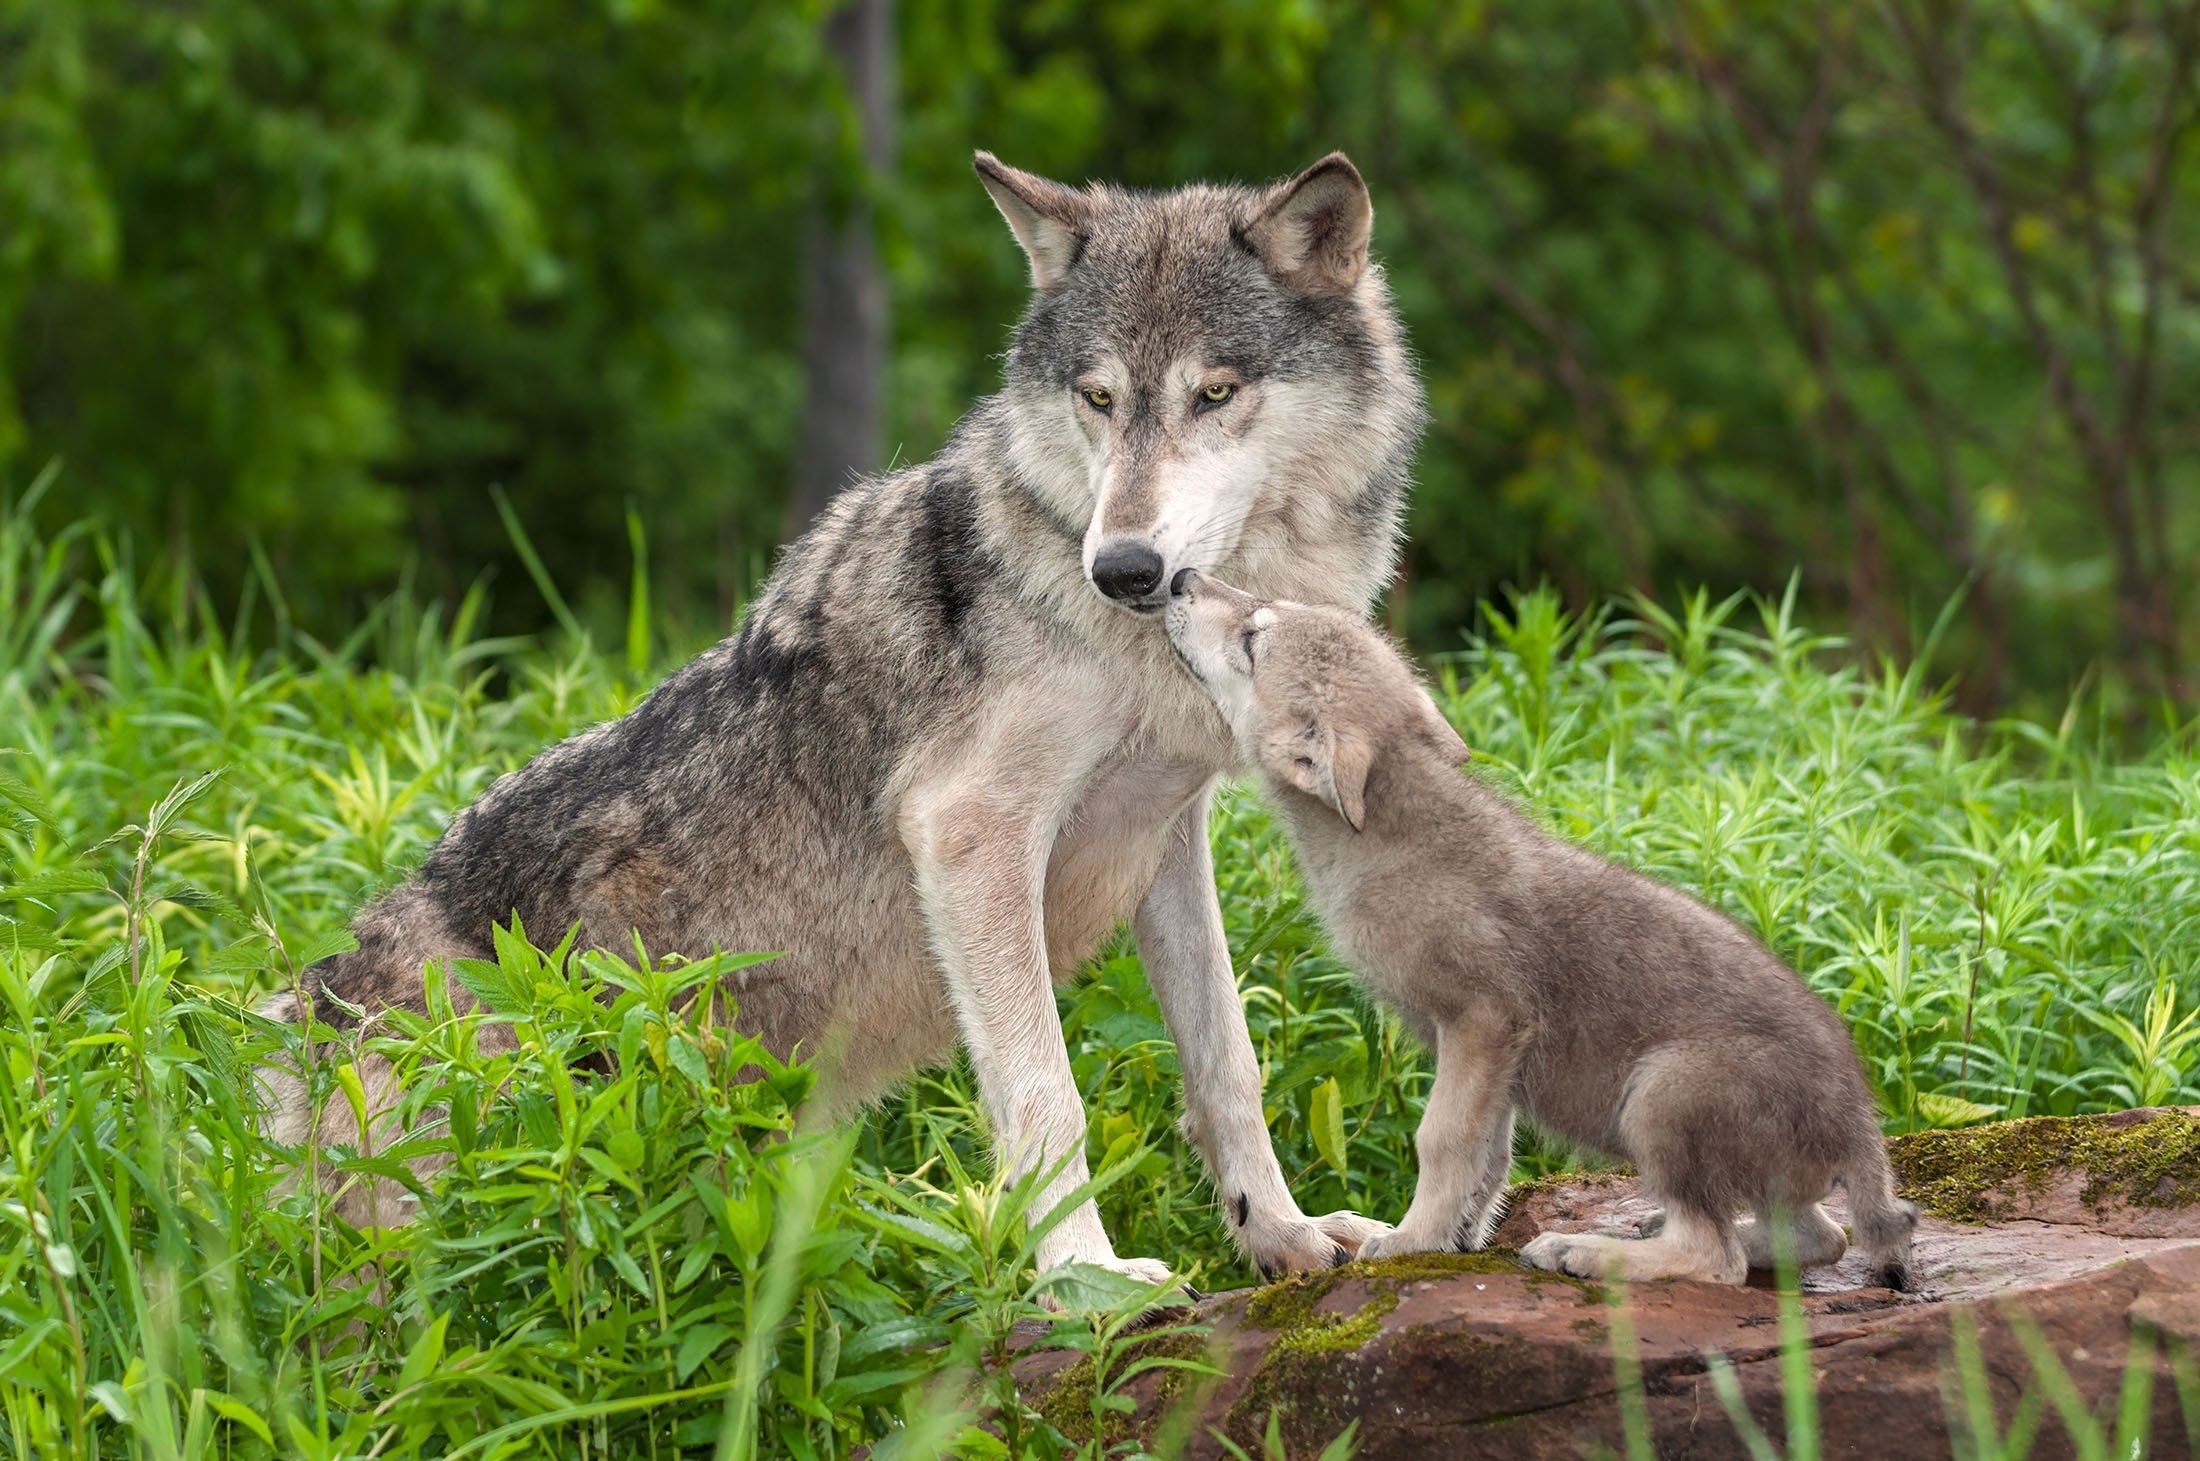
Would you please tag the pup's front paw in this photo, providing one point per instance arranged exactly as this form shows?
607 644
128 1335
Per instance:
1575 1253
1405 1240
1351 1231
1298 1244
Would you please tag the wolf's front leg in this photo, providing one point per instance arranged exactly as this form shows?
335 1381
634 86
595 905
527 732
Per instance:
980 859
1187 958
1465 1139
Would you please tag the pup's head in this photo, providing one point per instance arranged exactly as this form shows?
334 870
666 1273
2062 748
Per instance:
1207 376
1313 695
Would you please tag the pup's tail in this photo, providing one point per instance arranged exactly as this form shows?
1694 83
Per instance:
1884 1223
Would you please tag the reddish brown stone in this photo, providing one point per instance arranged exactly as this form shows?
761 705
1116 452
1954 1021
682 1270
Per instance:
1473 1357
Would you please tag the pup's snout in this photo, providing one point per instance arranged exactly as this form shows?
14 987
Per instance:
1182 583
1127 571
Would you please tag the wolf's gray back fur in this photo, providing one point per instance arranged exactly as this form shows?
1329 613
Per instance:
935 766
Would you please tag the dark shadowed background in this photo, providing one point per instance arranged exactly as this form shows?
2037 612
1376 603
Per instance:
1897 297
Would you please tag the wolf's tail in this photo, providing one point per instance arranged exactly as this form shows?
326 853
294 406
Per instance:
1884 1224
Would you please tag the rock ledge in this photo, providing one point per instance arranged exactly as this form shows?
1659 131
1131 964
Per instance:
2079 1236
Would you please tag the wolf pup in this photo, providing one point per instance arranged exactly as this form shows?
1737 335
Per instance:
1615 1011
948 753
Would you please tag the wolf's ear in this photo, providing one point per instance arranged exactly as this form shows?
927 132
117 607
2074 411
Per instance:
1327 765
1048 219
1447 739
1312 231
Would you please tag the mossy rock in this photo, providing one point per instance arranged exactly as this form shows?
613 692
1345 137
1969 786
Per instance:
2141 1159
1294 1374
1297 1369
1066 1403
1289 1304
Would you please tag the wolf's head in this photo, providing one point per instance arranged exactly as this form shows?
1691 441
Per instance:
1211 377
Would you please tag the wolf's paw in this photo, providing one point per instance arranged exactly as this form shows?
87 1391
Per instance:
1300 1244
1138 1270
1074 1286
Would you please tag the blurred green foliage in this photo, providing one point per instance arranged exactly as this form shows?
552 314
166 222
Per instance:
1706 290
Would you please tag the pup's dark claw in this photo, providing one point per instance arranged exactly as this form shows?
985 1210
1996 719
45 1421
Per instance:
1339 1258
1197 1296
1268 1270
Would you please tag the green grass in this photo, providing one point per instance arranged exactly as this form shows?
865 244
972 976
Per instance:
642 1264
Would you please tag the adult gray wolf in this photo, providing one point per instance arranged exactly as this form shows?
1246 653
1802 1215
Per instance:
947 752
1616 1011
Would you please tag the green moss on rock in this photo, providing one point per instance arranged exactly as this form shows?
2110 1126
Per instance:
1290 1303
1294 1377
1421 1267
1329 1333
1066 1403
1977 1175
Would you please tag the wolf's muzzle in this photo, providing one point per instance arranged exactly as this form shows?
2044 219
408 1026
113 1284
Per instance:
1129 573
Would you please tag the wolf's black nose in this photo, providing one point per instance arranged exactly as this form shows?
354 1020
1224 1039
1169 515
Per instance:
1125 571
1180 581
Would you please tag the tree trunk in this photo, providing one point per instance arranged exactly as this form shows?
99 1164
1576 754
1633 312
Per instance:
844 354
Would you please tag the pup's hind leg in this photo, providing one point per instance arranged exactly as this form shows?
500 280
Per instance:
1819 1240
1692 1244
1465 1139
1679 1122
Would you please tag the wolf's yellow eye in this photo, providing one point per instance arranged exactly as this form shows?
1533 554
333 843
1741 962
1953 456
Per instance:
1217 393
1098 399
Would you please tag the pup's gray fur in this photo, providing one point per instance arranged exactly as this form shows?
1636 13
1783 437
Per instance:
1615 1011
947 752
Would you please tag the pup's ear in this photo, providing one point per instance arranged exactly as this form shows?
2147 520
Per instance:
1048 219
1447 739
1312 231
1324 764
1349 760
